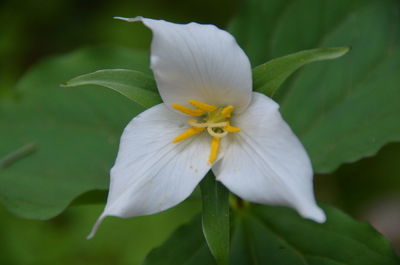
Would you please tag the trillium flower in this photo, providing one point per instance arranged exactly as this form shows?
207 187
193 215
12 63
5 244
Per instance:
210 119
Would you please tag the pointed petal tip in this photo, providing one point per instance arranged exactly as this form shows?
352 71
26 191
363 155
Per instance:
316 214
130 19
96 226
176 58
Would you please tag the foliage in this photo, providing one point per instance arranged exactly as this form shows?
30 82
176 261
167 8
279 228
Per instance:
274 235
346 109
75 132
61 141
215 218
137 86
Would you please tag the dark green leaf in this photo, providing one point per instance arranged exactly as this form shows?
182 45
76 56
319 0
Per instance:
369 183
75 132
278 236
137 86
215 217
186 246
345 109
268 77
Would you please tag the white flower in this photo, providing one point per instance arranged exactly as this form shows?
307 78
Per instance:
210 119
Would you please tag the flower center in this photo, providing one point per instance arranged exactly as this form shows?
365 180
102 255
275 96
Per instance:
216 120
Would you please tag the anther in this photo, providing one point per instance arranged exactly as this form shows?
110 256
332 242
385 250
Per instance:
188 111
187 134
227 111
214 150
231 129
202 106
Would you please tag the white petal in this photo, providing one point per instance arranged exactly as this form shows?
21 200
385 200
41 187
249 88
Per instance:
152 174
201 62
266 163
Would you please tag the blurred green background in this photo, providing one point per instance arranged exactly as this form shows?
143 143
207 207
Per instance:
33 30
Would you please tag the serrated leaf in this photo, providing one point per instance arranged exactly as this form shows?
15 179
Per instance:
268 77
75 132
215 218
345 109
137 86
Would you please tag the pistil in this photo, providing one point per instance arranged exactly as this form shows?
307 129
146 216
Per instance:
214 119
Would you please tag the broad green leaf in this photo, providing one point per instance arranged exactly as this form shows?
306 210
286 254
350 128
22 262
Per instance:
137 86
75 132
215 217
186 246
268 77
376 185
345 109
275 28
63 239
278 236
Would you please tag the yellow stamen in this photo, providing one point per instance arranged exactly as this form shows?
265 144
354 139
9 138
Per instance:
211 118
188 133
202 106
231 129
214 149
188 111
227 111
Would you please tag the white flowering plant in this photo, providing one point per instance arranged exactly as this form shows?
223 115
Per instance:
238 136
210 118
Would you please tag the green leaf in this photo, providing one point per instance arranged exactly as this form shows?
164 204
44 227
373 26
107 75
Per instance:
186 246
215 217
75 133
278 236
379 178
137 86
345 109
268 77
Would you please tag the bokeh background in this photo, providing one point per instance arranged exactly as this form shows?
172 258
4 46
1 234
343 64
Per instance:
368 189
